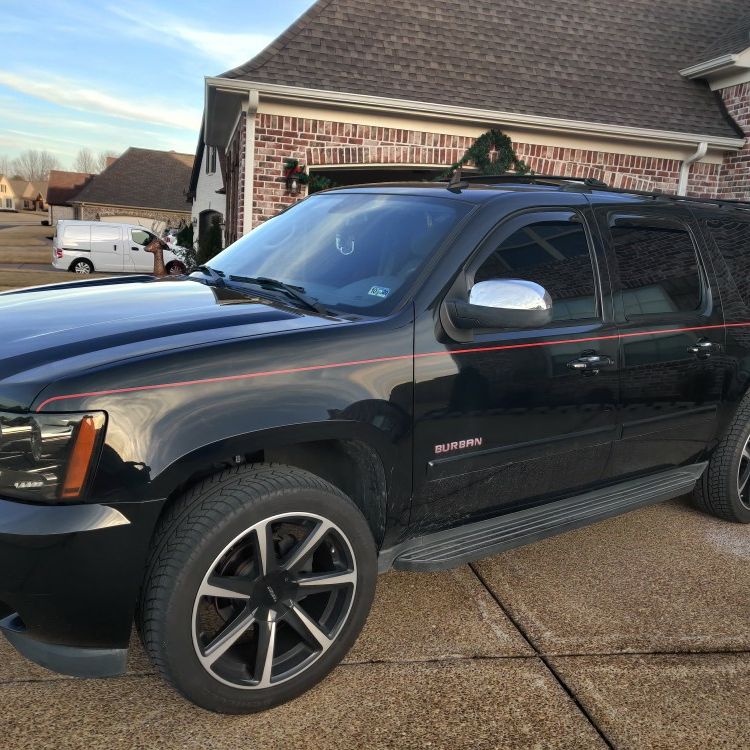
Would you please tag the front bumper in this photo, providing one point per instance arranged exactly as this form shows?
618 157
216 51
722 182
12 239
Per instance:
70 575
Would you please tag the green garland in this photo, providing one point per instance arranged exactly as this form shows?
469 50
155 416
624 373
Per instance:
479 155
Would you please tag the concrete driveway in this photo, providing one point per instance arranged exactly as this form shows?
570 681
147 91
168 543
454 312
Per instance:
634 633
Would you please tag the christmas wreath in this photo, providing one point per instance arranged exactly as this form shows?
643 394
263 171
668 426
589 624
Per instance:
480 154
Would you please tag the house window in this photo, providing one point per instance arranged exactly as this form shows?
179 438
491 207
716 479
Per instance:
2 188
8 203
211 160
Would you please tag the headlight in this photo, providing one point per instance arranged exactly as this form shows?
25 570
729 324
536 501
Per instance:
48 457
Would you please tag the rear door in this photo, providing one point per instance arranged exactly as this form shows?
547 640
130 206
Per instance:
106 247
76 240
138 259
670 321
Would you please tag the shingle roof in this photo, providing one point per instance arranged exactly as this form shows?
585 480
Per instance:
142 178
610 62
64 185
734 39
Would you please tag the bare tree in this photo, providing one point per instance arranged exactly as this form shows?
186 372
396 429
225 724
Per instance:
85 161
103 157
6 165
35 165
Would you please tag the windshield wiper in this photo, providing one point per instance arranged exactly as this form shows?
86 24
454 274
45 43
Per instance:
217 276
295 292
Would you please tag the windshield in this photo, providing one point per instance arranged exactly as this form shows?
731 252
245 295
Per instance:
353 252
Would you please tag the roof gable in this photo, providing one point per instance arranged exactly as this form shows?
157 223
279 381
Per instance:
142 178
615 63
63 186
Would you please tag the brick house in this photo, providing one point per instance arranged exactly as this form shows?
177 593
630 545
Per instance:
364 91
143 186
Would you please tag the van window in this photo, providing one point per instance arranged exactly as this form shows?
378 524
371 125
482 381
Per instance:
77 233
554 253
141 236
658 267
105 233
733 240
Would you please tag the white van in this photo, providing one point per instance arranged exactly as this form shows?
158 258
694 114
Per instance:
88 246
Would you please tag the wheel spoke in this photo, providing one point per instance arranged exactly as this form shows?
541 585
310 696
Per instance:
307 628
227 587
746 451
264 655
266 551
233 631
743 479
315 584
308 545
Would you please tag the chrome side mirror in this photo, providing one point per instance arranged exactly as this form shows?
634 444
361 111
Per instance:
503 303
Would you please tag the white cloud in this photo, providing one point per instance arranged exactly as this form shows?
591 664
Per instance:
226 48
76 95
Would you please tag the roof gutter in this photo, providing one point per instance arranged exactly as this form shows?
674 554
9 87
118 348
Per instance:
697 155
469 114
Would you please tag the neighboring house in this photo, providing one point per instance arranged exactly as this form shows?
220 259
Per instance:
206 190
143 187
7 196
61 189
360 90
29 196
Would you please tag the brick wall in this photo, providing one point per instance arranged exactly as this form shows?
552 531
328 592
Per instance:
735 173
324 143
171 219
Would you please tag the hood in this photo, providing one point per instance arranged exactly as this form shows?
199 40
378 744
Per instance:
50 332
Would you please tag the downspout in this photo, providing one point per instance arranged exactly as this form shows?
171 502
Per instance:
699 153
250 108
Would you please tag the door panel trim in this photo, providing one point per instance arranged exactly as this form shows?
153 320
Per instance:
673 421
466 463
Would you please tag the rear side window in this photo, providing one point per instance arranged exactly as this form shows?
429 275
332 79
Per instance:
104 232
554 254
733 240
75 233
658 267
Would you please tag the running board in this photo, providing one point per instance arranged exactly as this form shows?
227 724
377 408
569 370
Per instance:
452 547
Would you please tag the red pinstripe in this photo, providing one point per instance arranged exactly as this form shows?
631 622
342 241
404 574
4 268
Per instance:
376 360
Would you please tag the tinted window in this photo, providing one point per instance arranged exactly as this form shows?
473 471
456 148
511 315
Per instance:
733 241
141 237
554 254
352 251
103 232
75 233
658 268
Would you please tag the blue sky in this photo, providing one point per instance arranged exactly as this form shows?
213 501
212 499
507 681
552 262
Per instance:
107 75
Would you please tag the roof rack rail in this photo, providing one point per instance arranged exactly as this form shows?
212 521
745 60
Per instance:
491 179
594 183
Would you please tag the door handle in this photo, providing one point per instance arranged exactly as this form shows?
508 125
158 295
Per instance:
703 349
590 363
115 247
134 248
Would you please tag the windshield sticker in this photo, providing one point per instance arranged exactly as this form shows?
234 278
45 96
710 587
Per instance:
379 291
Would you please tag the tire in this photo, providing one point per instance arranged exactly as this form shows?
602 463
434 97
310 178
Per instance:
175 268
209 541
718 490
81 266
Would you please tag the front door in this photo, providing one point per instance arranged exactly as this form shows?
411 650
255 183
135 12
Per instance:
106 247
518 417
672 337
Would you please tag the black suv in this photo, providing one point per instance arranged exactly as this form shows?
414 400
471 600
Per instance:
399 376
